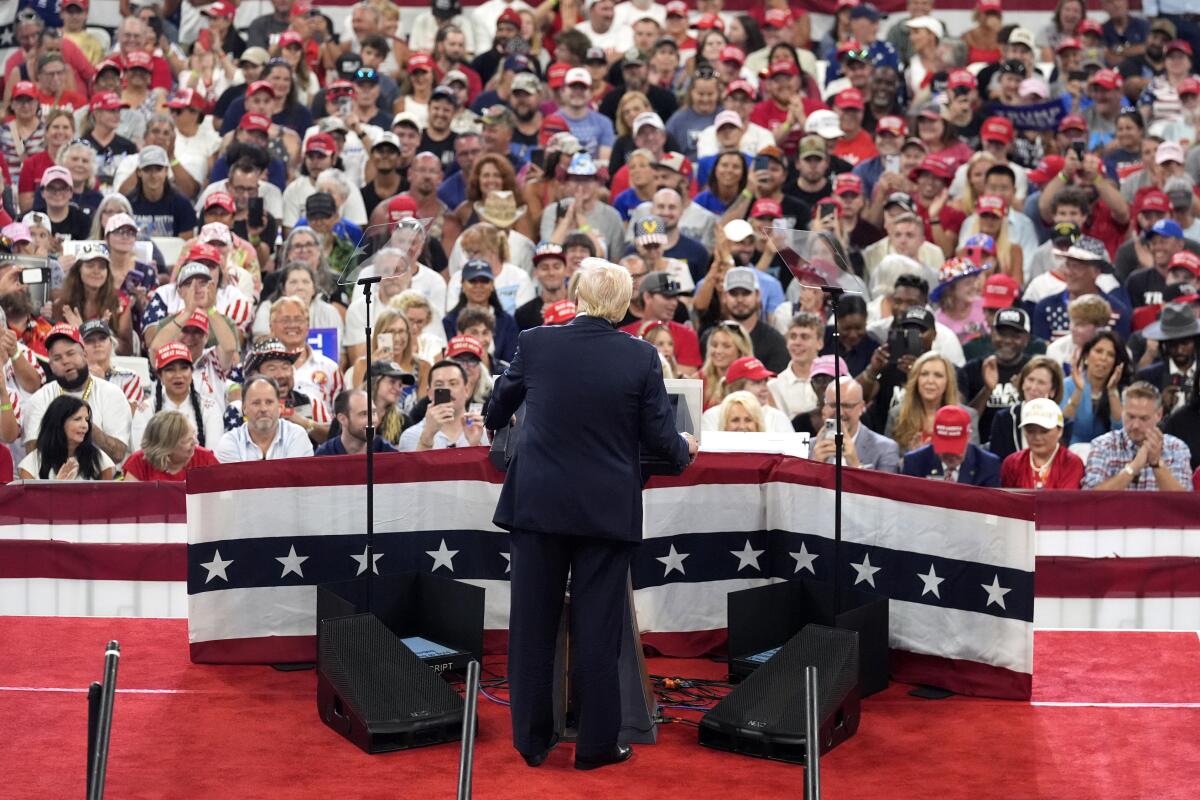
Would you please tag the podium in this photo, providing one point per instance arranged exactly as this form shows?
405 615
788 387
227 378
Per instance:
638 705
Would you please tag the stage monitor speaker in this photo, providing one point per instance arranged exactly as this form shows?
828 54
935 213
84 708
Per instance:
764 715
376 692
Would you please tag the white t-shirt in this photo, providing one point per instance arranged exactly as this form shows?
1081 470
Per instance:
290 442
609 40
32 463
210 410
520 252
302 187
320 315
775 420
109 406
318 377
792 395
754 138
513 286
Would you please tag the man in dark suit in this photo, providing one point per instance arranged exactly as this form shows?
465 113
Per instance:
951 456
1176 332
572 501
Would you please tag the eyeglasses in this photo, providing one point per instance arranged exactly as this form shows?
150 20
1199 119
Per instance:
366 74
304 246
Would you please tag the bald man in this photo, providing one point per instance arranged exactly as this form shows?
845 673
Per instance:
862 448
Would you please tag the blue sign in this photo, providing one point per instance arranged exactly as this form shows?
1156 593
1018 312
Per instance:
325 342
1039 117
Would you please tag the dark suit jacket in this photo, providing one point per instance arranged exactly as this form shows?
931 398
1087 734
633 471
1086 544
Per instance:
979 467
1156 375
594 401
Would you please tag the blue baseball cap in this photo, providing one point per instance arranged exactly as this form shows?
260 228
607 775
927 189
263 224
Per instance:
1165 227
477 268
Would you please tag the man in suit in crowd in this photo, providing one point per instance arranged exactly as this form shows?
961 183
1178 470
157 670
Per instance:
572 501
951 456
1176 332
862 447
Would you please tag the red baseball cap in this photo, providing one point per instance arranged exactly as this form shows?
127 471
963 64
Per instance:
556 75
850 45
847 183
1189 85
1178 44
255 122
848 98
1153 200
559 312
677 8
198 319
188 98
1000 291
1185 259
139 60
320 143
710 22
1072 122
203 252
997 129
747 367
777 18
766 207
169 353
991 204
105 101
221 8
260 86
733 54
511 16
401 207
1088 25
109 63
784 66
961 79
420 60
339 88
934 166
1068 43
288 38
222 199
893 125
464 345
63 329
951 430
1046 170
741 85
989 7
1106 79
24 89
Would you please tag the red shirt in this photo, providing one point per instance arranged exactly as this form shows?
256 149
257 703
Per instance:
856 150
951 218
1105 228
32 169
771 115
1066 471
687 343
140 468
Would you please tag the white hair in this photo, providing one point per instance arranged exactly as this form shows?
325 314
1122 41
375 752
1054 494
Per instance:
337 183
891 267
602 289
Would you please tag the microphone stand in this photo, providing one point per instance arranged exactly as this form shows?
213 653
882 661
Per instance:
366 283
834 293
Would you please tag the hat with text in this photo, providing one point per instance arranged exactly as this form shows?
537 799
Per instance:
560 312
1042 412
464 345
951 430
95 327
64 331
1000 291
660 283
1014 318
747 368
169 353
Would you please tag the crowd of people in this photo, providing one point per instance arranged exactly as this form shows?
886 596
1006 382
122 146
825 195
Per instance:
1016 209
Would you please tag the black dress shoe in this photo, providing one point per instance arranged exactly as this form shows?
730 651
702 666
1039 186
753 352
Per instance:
537 759
621 752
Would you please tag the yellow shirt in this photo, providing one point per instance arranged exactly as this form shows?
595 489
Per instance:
88 44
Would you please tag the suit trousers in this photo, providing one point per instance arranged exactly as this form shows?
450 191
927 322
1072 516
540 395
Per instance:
599 570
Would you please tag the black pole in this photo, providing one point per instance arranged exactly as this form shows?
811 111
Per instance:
812 737
834 293
104 724
466 760
366 283
93 719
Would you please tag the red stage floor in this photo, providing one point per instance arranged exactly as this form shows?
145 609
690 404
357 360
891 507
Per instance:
1114 715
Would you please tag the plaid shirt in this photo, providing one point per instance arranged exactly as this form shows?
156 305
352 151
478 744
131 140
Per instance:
1112 451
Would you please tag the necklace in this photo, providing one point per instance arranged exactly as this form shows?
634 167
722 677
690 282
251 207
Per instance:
87 390
1040 473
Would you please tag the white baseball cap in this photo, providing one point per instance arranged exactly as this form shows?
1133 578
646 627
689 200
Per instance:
930 24
647 118
728 117
738 230
1042 412
824 123
578 75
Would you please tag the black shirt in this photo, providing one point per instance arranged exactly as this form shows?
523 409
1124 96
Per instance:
530 315
1145 287
76 226
812 198
770 347
372 198
661 100
108 155
1004 395
856 358
170 215
443 149
1185 424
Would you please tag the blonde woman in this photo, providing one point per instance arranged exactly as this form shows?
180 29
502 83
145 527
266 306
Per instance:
632 104
727 343
424 324
975 176
742 413
659 334
992 219
642 184
931 384
391 340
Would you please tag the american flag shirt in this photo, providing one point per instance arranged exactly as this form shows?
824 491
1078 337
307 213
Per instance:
166 301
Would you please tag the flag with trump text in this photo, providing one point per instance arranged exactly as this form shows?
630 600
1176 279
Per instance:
957 562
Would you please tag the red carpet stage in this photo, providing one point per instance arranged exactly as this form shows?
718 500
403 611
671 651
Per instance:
1113 715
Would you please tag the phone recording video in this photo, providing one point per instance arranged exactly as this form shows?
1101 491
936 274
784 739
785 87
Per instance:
441 396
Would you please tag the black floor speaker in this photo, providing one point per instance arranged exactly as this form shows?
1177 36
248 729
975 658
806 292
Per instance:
377 693
764 715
